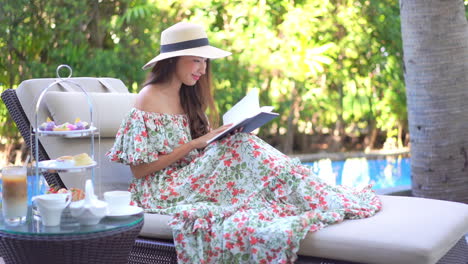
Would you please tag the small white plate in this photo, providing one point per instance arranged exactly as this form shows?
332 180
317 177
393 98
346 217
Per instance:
124 213
57 165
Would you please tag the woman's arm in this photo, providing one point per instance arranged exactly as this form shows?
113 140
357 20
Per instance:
141 170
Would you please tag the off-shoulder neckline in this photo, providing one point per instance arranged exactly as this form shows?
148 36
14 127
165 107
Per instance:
156 113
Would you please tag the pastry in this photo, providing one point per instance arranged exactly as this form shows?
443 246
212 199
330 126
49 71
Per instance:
71 127
65 161
48 125
77 194
63 158
82 159
81 125
62 127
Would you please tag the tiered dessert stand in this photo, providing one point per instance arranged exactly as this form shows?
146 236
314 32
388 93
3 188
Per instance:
91 131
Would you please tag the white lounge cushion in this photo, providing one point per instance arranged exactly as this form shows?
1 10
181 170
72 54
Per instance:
29 91
156 226
109 109
407 230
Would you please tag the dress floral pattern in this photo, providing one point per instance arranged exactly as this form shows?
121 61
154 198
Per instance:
239 200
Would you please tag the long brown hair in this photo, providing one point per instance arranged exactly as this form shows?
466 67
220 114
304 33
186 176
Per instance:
195 100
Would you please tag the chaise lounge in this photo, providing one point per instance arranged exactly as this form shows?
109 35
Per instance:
407 230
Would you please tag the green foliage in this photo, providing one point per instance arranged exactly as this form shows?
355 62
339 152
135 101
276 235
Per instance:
343 59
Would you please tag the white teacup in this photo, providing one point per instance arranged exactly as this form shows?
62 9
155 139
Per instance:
117 200
51 207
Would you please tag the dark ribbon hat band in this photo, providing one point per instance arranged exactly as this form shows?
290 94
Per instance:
194 43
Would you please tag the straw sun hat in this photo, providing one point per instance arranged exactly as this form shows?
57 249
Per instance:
185 39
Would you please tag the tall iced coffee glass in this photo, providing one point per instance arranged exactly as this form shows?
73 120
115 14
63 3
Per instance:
15 194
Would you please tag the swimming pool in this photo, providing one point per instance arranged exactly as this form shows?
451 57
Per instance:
390 172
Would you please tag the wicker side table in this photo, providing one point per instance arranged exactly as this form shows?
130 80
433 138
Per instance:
108 242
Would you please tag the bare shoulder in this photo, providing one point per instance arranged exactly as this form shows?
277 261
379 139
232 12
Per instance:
148 100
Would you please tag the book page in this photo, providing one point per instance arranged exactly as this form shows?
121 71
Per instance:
245 108
266 109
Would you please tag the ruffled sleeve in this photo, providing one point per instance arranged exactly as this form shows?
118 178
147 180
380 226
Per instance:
141 139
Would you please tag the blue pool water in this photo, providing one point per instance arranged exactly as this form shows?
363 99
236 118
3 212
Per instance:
393 171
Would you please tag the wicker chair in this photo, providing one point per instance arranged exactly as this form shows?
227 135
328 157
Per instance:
155 250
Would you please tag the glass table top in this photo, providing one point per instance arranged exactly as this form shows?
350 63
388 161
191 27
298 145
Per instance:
68 226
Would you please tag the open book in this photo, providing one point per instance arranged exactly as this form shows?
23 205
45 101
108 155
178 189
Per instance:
246 114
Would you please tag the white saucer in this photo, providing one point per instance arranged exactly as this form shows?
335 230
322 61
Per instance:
125 212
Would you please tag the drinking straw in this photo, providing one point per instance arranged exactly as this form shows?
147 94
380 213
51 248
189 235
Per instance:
26 161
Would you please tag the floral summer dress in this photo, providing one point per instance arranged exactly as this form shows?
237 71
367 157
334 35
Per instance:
237 201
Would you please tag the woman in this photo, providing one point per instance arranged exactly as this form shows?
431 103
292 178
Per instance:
235 200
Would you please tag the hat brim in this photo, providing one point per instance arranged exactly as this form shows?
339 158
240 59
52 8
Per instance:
208 52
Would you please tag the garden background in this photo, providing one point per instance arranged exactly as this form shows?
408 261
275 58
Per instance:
332 69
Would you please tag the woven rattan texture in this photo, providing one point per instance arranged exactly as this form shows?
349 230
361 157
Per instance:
153 251
458 254
101 247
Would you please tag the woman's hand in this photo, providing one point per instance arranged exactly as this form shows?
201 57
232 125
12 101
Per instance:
201 141
237 130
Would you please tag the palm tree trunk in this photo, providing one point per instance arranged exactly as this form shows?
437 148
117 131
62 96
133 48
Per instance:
435 45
